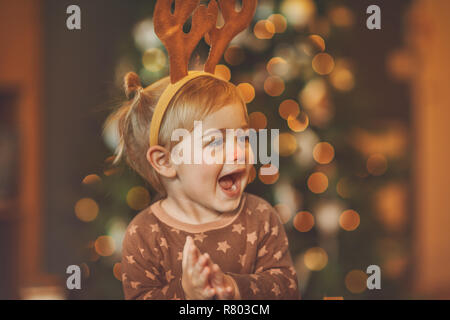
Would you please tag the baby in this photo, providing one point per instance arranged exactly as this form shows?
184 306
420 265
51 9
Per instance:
205 238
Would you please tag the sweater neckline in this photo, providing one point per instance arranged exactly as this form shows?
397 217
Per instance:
224 220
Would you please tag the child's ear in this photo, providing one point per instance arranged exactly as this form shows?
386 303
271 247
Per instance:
159 158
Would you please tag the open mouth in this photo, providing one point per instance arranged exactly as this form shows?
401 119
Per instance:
231 183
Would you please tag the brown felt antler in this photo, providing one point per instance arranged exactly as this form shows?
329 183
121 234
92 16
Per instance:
235 22
169 28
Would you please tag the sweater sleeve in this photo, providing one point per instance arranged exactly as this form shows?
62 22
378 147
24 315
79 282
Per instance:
274 276
143 277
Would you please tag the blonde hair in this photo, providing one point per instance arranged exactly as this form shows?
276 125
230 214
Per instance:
195 100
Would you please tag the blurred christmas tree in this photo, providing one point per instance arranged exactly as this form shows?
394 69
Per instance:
341 188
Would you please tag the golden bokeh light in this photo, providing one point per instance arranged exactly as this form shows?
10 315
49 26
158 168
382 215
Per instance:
264 29
349 220
317 41
138 198
342 76
85 271
223 72
257 120
323 153
247 91
91 179
279 21
303 221
252 174
277 66
298 13
343 188
117 271
287 144
376 164
288 108
104 246
274 86
341 16
356 281
154 59
390 202
284 212
269 178
323 63
234 55
299 123
86 209
315 259
318 182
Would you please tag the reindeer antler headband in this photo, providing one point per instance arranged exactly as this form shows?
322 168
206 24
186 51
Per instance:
180 45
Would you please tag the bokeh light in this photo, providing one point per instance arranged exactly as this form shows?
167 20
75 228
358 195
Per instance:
223 72
317 182
138 198
117 271
303 221
247 91
288 108
299 123
284 212
323 153
323 63
342 76
264 29
287 144
341 16
298 13
315 259
104 246
234 55
257 120
86 209
356 281
274 86
269 178
277 66
91 179
343 188
252 174
279 21
349 220
154 59
376 164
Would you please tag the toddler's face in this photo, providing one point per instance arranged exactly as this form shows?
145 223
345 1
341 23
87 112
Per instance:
219 184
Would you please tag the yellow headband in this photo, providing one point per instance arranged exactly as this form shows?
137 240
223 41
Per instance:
165 99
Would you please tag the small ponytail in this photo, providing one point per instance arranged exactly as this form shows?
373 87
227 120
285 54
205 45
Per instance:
132 85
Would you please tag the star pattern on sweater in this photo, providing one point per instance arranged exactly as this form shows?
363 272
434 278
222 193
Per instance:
251 237
180 255
262 251
253 287
262 206
164 243
254 276
148 295
242 259
266 227
124 277
142 252
135 284
132 229
274 231
169 276
276 289
292 284
155 227
223 246
200 237
278 255
130 259
150 275
275 271
248 211
164 290
238 228
177 231
175 297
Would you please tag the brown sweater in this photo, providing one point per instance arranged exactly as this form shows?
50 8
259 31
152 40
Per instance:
251 246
